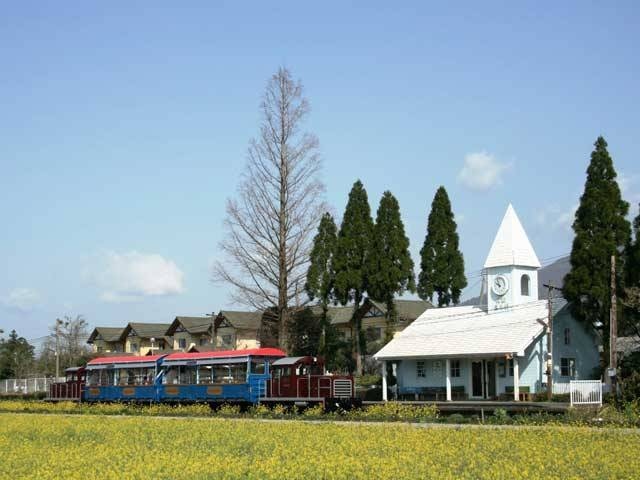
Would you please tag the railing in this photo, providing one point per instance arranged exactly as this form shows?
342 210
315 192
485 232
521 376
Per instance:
342 388
13 386
585 392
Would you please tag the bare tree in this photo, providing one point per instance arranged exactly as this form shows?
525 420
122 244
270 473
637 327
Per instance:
269 226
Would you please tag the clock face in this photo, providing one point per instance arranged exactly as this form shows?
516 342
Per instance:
500 285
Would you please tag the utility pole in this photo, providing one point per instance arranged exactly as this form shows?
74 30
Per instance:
57 331
549 343
550 288
613 329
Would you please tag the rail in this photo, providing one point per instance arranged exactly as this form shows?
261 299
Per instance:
585 392
23 386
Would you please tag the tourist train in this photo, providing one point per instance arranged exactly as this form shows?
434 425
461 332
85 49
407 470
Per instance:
260 375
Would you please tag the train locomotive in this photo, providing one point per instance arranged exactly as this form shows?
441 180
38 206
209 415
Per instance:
260 375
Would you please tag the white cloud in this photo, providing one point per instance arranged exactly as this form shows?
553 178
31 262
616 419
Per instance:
23 299
130 276
481 171
628 189
565 219
556 218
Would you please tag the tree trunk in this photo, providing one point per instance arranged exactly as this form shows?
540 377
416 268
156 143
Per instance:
357 323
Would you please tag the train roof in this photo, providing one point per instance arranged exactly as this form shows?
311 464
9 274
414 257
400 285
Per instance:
127 360
252 352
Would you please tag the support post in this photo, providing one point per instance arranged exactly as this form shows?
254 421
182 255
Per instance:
384 381
613 329
516 379
447 366
549 344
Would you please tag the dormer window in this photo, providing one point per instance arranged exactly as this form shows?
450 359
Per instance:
524 285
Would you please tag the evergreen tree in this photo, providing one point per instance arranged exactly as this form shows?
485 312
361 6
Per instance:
601 230
442 263
321 275
350 261
390 264
16 356
632 267
305 332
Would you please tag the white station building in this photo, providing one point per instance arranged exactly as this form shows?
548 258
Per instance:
497 349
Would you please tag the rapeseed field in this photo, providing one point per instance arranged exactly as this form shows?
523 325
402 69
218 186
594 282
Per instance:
106 447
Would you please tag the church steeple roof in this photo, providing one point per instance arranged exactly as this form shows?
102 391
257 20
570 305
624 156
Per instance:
511 246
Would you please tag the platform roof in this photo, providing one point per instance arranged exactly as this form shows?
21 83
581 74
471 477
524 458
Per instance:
469 331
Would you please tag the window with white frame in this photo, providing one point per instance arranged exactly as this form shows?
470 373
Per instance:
567 336
182 343
524 285
421 371
511 367
568 367
455 368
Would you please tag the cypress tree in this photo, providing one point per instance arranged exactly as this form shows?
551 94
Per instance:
632 266
350 261
601 230
321 275
442 263
390 264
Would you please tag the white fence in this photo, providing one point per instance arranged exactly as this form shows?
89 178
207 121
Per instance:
12 386
585 392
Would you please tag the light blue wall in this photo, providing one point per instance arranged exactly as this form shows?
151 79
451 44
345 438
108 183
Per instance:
583 347
407 374
532 369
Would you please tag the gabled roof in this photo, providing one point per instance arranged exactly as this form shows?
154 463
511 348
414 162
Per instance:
627 345
242 320
146 330
468 331
407 309
511 246
108 334
193 325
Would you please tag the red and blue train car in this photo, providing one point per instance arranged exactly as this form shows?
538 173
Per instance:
232 376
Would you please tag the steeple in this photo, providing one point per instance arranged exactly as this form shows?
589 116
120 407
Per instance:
511 246
511 268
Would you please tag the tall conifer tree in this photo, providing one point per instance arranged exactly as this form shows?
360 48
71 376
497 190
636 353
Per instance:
390 264
442 263
632 267
321 274
350 261
601 230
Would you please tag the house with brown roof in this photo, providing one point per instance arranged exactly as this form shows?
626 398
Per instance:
373 317
146 338
188 332
236 330
106 340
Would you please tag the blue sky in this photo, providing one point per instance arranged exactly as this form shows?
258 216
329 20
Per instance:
125 127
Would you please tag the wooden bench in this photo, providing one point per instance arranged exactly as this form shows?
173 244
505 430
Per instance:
433 393
524 395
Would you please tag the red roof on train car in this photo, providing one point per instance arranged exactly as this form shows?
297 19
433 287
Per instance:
125 359
254 352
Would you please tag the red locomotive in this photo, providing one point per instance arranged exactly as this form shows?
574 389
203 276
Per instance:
261 375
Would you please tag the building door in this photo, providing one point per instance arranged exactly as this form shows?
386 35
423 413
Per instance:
476 379
490 378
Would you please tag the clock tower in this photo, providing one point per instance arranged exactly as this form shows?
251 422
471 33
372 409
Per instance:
511 269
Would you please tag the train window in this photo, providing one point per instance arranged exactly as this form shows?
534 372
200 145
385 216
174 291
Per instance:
94 377
205 374
257 367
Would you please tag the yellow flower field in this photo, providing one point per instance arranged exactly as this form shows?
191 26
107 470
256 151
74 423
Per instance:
86 447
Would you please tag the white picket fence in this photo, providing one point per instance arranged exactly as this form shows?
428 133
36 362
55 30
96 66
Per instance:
12 386
585 392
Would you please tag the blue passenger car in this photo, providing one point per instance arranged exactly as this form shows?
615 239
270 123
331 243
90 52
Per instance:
216 377
123 378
